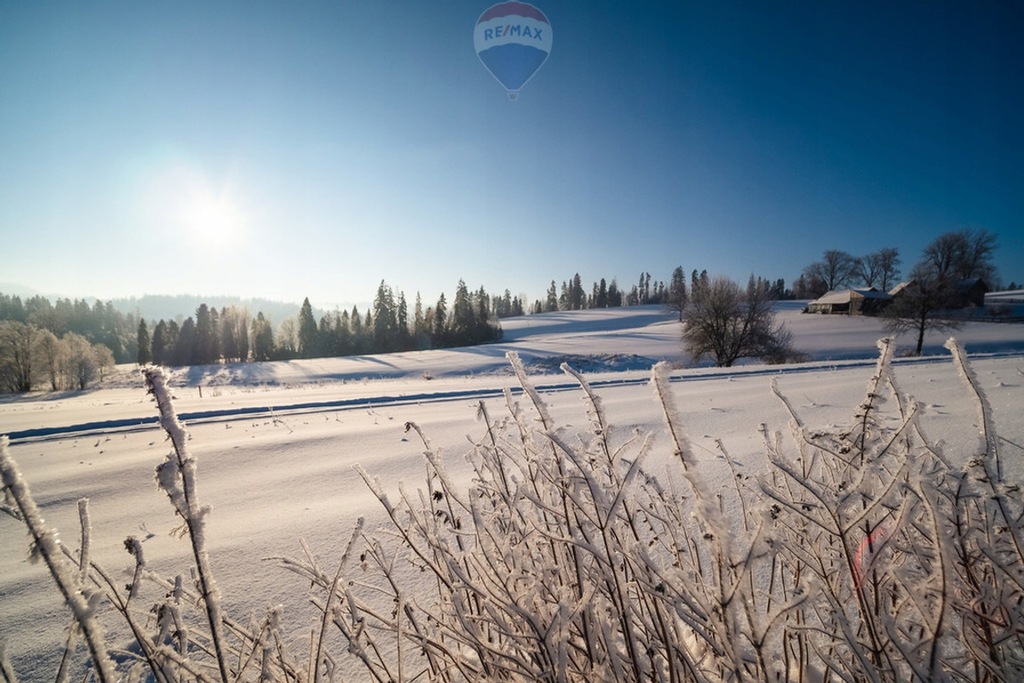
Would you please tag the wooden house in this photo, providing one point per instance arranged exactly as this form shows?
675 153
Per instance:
850 302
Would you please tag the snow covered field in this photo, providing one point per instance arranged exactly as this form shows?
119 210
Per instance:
277 442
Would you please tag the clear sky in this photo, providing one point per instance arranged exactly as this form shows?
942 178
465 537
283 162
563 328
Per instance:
284 150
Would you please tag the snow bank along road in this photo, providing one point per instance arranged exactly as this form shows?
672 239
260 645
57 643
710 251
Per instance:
490 387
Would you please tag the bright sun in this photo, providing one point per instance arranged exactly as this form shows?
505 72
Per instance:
203 209
216 221
212 218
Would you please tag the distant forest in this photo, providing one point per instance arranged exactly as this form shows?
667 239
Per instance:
231 333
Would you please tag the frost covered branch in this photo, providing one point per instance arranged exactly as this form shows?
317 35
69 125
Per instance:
858 553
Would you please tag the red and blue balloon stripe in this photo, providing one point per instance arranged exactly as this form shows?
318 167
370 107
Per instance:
513 40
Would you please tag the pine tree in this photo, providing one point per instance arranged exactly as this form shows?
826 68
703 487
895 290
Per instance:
242 336
420 325
186 347
214 349
385 320
204 345
463 323
614 294
438 333
262 338
342 333
145 353
358 335
601 298
577 297
404 342
551 302
677 291
306 330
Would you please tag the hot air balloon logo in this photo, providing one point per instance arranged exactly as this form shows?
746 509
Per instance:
513 40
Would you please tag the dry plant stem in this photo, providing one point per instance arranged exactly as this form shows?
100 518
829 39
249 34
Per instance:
46 544
177 476
105 582
6 670
568 514
861 554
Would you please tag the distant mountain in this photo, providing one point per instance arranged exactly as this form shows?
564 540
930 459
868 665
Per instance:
181 306
172 307
14 289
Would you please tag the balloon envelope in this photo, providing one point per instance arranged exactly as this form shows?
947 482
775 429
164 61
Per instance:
513 40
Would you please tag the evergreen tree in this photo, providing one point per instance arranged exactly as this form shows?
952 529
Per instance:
171 348
577 297
241 326
385 320
204 343
214 350
419 324
698 280
186 348
404 340
614 294
342 333
484 332
601 297
677 292
234 334
551 302
483 306
145 355
306 330
326 338
358 335
463 324
262 338
438 331
228 345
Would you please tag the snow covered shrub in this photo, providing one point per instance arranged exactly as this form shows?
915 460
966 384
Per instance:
862 554
181 635
859 555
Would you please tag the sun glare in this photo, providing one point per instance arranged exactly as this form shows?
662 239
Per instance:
214 220
178 195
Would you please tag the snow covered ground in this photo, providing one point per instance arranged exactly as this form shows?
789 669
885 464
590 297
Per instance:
277 442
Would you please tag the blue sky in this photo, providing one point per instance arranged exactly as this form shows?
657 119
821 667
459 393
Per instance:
285 150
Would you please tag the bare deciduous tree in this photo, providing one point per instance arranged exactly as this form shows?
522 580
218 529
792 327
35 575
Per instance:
880 268
725 323
946 262
914 309
18 354
833 271
960 255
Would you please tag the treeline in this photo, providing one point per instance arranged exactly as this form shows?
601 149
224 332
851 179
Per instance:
231 335
66 344
572 296
99 323
30 355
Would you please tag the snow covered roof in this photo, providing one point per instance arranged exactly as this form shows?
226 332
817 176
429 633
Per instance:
900 287
843 296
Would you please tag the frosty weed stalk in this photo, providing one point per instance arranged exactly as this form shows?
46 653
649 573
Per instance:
861 554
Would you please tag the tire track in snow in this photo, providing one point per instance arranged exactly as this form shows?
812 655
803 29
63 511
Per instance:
232 414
